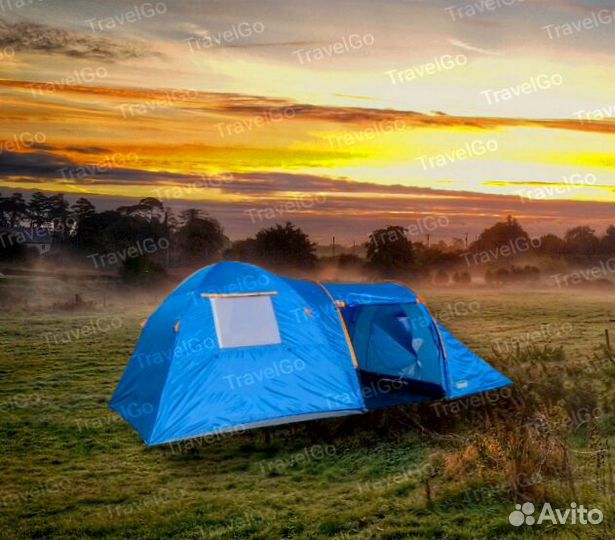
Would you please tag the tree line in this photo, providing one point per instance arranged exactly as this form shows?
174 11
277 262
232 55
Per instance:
130 237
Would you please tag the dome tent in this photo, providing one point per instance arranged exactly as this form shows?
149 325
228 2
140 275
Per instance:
237 347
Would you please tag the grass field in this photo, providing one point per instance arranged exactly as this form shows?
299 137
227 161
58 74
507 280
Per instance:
72 469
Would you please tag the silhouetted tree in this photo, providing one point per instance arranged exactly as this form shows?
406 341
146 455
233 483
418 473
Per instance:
57 215
507 232
112 232
439 254
190 214
607 242
12 248
200 238
82 208
13 209
38 208
285 245
149 208
550 244
57 208
389 251
582 241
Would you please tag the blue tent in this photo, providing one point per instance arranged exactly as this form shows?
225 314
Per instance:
236 347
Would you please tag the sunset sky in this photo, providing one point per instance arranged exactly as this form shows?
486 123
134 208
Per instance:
340 116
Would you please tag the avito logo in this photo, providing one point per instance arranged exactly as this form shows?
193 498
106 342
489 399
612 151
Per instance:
524 514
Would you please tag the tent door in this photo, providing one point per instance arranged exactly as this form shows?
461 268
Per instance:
397 343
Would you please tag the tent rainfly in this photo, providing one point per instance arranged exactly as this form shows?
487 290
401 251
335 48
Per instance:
237 347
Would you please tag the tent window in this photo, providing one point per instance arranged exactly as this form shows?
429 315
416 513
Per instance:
245 321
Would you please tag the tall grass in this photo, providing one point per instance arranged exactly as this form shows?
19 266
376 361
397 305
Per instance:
545 438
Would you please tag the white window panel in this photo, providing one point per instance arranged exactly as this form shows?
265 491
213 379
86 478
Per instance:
245 321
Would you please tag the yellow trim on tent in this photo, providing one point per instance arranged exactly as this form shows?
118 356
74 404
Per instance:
339 314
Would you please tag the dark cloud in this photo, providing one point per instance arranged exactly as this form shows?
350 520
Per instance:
259 106
44 39
122 169
35 164
88 149
114 168
42 146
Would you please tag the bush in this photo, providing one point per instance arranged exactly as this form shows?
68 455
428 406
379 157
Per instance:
141 271
462 277
442 277
513 274
520 440
348 260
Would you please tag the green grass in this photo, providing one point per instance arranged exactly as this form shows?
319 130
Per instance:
73 469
